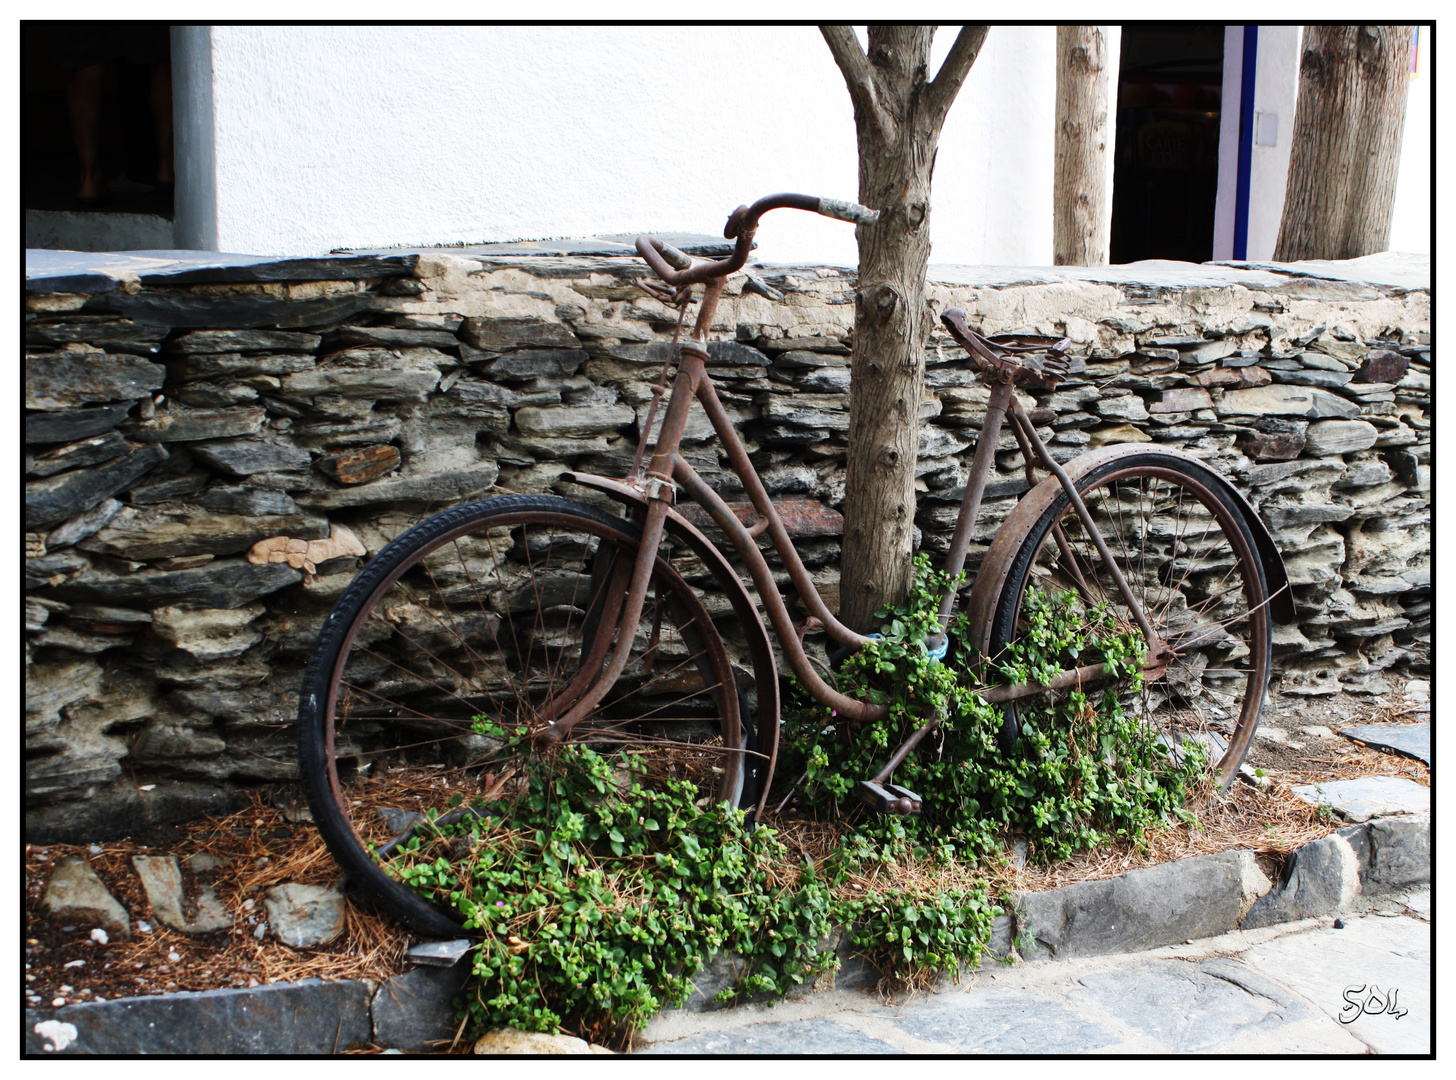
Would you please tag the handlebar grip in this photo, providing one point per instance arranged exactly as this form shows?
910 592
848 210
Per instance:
674 258
848 211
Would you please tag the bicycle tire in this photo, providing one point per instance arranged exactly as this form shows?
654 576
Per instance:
1189 556
479 611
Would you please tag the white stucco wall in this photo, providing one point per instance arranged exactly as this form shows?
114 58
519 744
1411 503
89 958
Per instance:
1410 220
364 136
994 174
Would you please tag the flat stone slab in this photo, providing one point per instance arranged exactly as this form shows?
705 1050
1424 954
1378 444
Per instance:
1192 1008
1413 740
1369 958
76 894
1158 905
1231 995
439 953
309 1017
1320 878
1399 269
799 1037
617 244
162 879
104 271
304 915
94 272
1011 1021
1419 901
1390 270
1369 796
1399 853
413 1011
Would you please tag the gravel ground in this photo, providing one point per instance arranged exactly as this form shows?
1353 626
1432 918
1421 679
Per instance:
1298 741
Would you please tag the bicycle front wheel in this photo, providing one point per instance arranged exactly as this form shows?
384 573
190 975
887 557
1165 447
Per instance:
1188 557
500 615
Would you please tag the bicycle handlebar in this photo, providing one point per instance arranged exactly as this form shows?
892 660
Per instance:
746 217
848 211
676 268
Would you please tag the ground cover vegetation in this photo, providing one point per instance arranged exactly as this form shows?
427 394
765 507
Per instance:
266 843
599 896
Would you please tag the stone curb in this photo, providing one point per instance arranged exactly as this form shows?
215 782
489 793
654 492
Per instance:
408 1012
1177 902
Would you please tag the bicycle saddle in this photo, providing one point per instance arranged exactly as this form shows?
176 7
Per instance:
991 352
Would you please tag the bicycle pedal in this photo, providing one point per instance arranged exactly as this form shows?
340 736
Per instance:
889 798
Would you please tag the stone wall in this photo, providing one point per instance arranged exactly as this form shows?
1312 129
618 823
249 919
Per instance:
177 414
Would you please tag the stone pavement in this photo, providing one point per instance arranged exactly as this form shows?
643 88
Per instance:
1293 988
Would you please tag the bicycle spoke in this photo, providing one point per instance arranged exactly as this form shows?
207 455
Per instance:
428 654
415 674
454 626
1190 565
425 607
389 701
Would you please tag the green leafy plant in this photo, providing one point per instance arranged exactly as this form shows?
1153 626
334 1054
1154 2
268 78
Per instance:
599 897
1082 772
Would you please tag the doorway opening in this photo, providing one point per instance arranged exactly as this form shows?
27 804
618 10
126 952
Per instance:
1165 172
96 134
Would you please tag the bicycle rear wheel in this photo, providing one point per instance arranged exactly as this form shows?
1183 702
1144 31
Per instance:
1190 560
504 611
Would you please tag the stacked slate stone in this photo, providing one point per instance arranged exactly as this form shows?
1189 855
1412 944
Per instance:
175 425
1327 434
152 467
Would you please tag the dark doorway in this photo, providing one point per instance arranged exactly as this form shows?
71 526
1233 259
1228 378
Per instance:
121 71
1165 174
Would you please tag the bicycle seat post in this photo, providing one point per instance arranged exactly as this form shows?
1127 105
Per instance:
981 465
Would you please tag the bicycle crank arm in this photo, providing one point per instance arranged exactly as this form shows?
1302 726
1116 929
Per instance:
889 798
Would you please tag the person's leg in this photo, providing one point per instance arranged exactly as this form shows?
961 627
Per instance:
83 98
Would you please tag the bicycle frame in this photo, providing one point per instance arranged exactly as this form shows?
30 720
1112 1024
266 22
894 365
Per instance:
669 471
548 639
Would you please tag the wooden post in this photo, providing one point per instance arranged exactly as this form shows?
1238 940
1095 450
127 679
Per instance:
1080 219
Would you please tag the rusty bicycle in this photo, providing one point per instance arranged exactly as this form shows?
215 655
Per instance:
575 624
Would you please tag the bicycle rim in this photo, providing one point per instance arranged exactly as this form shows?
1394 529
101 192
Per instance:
1190 561
497 616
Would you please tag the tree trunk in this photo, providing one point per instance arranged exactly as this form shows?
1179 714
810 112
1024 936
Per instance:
898 117
1080 223
1347 134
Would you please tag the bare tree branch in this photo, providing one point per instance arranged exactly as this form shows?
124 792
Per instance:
963 53
855 67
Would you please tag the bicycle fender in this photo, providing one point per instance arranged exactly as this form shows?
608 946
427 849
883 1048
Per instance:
765 669
991 578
